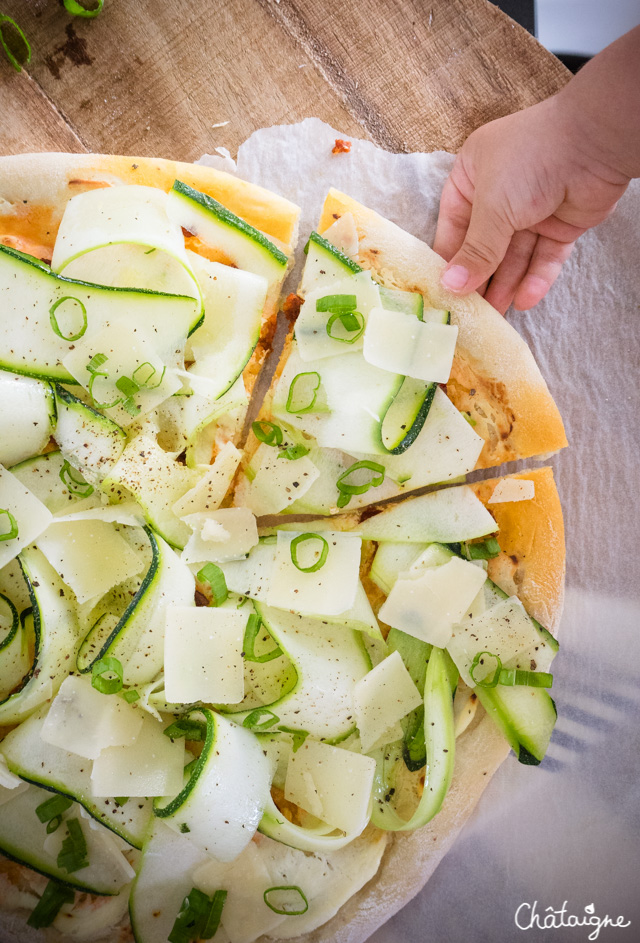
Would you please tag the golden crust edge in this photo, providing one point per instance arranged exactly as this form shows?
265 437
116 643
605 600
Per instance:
53 177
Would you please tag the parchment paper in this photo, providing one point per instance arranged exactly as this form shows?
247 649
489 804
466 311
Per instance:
568 830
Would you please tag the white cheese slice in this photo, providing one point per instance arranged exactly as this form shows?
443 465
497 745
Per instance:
252 577
151 766
336 782
208 493
513 489
382 698
428 605
504 630
30 515
445 516
90 556
402 344
329 590
278 482
203 655
83 721
219 536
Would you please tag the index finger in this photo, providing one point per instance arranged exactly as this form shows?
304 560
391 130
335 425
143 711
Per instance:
453 220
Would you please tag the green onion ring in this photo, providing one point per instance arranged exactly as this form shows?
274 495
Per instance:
213 576
80 488
351 321
347 490
267 432
290 406
286 887
320 562
105 665
294 452
250 634
486 683
54 320
145 384
253 720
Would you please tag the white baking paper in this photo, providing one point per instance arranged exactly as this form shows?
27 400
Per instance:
568 830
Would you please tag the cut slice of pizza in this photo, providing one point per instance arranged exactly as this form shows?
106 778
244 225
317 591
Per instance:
155 287
387 382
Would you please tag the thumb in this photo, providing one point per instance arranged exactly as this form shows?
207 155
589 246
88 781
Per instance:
483 249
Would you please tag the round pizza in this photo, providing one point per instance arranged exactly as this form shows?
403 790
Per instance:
262 646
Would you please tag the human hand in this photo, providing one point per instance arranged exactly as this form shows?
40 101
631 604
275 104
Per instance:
522 189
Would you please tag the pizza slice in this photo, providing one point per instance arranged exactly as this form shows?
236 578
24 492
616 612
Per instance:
359 748
156 288
387 382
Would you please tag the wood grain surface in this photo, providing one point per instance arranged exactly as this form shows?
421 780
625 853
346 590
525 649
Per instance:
154 77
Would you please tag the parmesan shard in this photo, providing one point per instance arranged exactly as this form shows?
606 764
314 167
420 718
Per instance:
513 489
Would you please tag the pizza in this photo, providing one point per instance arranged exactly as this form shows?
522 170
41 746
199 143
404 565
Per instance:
253 676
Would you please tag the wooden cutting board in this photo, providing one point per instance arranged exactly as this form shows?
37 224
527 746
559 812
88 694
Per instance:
155 77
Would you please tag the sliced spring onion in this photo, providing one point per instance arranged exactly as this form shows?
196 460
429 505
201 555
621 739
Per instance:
248 646
54 824
337 303
52 809
130 696
488 682
79 9
254 721
532 679
25 55
347 490
198 917
294 452
13 525
320 562
108 665
352 322
189 729
283 903
303 392
73 854
15 622
127 386
145 383
121 800
74 485
299 736
267 432
93 368
48 907
482 550
212 576
54 321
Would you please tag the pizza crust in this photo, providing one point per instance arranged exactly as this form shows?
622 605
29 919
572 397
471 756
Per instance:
35 188
494 377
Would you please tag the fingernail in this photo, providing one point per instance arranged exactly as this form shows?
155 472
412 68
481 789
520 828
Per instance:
455 278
